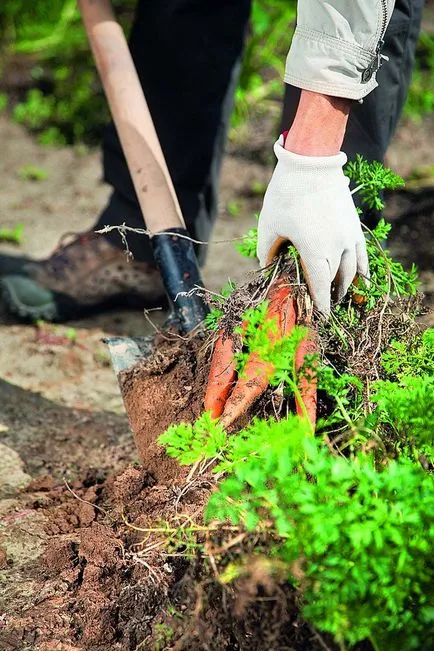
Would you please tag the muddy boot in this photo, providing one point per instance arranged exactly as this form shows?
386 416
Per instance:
85 275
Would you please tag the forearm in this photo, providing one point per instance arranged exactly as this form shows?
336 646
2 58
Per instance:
319 125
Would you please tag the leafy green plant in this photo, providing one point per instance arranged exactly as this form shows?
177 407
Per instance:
66 103
410 359
363 537
233 207
32 173
61 117
360 537
346 392
36 110
247 246
71 334
405 400
256 330
211 321
420 99
408 407
258 188
190 443
371 179
12 235
350 523
162 634
260 82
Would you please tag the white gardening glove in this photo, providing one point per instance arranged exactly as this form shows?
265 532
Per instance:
308 202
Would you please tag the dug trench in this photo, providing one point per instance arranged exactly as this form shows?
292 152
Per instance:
102 580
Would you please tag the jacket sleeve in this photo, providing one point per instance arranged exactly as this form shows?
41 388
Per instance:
336 48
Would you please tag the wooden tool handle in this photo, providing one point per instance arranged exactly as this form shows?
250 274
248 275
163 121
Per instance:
139 140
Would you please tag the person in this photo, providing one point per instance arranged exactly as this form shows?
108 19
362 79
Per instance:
338 98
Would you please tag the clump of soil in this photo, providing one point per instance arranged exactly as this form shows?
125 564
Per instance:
162 390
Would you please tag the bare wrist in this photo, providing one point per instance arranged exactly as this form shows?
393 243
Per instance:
319 125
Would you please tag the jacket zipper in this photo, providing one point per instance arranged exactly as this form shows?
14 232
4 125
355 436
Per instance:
379 58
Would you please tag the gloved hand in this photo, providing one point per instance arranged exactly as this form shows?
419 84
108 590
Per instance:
308 202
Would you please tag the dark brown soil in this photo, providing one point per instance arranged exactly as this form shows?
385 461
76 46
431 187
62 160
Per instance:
98 587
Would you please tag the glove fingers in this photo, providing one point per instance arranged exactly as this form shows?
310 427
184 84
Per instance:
318 278
266 240
347 271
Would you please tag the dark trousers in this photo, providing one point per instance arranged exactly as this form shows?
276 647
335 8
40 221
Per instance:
187 54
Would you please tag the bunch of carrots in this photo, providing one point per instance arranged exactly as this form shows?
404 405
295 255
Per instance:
229 396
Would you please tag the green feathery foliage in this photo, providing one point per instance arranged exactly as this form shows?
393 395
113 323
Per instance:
362 537
371 179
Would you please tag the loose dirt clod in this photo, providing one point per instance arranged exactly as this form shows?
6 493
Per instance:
165 389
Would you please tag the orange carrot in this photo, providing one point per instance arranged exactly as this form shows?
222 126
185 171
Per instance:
308 382
282 306
249 387
358 298
257 372
221 375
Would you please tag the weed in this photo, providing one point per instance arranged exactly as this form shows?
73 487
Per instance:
162 634
32 173
102 357
71 334
13 235
247 246
258 188
233 207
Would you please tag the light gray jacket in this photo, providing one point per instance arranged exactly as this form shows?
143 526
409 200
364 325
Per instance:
336 49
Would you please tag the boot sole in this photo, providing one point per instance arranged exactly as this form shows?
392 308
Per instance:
47 312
